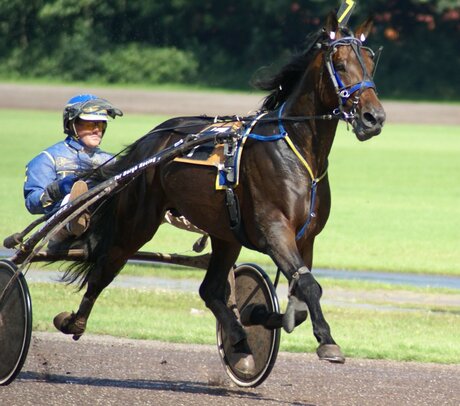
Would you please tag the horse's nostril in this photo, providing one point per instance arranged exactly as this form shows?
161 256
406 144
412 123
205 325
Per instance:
369 119
373 117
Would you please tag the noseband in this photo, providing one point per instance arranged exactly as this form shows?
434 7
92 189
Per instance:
354 91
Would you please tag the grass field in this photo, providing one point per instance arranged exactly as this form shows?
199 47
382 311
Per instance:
410 334
395 198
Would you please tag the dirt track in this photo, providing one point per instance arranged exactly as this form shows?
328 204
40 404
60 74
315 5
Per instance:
111 371
195 103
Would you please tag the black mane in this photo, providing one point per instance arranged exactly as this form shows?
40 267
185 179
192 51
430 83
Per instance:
281 84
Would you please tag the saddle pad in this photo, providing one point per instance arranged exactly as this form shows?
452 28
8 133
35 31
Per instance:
211 154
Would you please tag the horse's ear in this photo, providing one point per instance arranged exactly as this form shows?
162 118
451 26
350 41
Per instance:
363 31
332 25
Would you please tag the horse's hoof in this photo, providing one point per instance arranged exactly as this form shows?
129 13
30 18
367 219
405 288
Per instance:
61 321
331 353
66 322
243 363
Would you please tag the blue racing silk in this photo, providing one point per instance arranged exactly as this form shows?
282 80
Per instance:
65 158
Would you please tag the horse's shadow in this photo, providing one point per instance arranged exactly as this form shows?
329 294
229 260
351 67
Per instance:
205 388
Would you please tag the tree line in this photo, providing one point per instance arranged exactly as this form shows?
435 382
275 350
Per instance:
221 43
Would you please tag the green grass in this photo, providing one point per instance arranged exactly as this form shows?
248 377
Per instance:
418 335
394 198
395 202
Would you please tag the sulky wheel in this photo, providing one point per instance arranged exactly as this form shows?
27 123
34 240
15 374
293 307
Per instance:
251 285
15 321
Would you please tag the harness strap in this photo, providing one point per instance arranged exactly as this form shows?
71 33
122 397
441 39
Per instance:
234 214
284 135
346 92
295 279
311 214
300 157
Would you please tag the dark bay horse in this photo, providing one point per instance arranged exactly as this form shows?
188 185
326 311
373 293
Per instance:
283 193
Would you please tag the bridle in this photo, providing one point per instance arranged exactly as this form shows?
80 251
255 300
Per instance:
354 91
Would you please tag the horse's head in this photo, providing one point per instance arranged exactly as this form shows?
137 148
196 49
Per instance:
349 89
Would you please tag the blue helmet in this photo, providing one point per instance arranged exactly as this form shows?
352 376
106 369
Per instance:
87 107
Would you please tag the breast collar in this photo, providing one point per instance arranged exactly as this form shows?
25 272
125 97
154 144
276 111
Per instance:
283 135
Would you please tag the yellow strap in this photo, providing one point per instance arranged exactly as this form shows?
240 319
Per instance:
304 162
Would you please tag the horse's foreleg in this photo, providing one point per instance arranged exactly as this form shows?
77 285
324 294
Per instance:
214 291
305 290
309 288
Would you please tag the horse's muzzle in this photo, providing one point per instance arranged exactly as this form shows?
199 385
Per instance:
368 123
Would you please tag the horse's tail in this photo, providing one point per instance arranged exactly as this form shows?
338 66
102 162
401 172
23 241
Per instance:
96 243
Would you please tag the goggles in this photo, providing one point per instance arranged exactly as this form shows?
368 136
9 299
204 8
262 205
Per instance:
91 125
95 109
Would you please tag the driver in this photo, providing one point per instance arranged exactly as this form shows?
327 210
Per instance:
52 176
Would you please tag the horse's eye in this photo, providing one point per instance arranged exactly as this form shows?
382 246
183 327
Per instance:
340 66
369 52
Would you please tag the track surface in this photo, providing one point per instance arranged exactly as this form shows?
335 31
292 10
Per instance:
112 371
195 103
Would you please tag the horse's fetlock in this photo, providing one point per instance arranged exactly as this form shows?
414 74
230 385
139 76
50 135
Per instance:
242 347
237 333
80 324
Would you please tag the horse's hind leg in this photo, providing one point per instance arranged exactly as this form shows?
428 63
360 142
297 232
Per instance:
75 323
213 291
106 270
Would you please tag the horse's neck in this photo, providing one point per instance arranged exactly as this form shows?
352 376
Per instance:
313 137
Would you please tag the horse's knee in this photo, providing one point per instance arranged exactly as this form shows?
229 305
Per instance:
210 292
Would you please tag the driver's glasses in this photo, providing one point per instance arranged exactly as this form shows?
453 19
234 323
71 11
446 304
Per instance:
91 125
